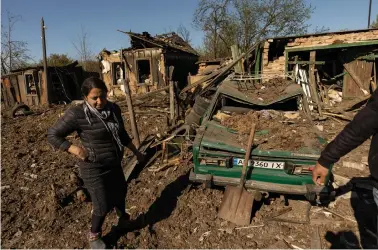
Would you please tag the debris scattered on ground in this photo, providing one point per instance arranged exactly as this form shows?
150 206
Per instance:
279 134
166 210
269 91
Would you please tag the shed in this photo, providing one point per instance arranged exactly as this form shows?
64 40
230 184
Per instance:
146 62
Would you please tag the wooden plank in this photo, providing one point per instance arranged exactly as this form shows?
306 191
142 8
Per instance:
16 88
7 84
132 162
312 82
356 77
5 94
21 84
258 61
171 94
357 81
286 60
235 54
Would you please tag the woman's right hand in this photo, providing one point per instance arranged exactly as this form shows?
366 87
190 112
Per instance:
80 152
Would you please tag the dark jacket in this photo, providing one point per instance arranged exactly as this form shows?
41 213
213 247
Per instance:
95 138
363 126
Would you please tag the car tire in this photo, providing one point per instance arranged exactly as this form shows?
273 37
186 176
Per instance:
200 106
199 110
192 118
19 107
202 102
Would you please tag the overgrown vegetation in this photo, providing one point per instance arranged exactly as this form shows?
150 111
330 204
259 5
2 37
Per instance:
57 60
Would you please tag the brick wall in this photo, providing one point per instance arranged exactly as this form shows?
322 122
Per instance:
277 67
301 42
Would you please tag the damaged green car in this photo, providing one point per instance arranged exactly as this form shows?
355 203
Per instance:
218 155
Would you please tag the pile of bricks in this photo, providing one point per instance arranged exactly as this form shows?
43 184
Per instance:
274 69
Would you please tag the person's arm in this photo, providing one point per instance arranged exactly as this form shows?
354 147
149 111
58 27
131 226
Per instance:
364 125
56 135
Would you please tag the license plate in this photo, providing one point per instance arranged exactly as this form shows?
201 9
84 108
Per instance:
260 164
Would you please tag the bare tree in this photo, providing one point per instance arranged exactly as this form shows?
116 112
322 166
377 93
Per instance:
14 54
246 21
184 33
321 29
211 16
374 25
83 48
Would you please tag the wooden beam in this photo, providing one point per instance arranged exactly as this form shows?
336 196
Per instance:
171 94
286 60
130 107
312 81
258 60
235 54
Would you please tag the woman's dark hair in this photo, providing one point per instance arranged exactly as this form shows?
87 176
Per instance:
91 83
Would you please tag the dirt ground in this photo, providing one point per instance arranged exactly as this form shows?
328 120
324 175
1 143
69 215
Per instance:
40 209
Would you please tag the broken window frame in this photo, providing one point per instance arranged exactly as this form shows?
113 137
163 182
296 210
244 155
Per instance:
114 72
137 71
31 88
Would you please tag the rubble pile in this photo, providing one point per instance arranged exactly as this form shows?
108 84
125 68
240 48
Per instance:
278 130
268 91
41 206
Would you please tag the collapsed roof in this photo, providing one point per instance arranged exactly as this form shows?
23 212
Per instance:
167 41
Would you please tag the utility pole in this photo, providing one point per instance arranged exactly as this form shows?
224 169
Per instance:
369 14
45 92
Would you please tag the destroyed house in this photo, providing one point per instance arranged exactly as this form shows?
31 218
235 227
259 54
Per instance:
145 64
28 85
343 62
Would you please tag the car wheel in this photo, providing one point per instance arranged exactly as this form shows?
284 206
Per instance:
20 109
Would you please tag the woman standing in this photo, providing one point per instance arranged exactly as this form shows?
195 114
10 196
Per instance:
100 127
